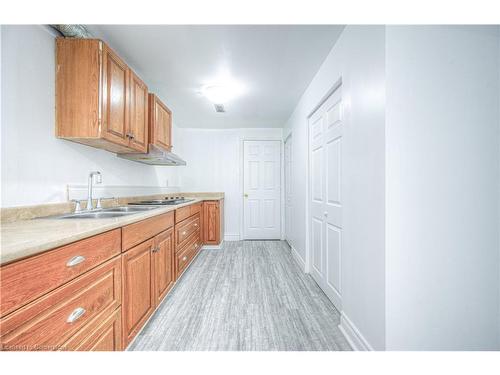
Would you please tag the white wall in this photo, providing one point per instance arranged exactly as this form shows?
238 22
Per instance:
357 58
214 164
442 180
35 165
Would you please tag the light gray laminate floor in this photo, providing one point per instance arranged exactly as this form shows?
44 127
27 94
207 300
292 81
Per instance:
250 295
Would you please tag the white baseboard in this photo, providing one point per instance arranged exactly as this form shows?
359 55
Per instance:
352 334
231 237
298 259
213 247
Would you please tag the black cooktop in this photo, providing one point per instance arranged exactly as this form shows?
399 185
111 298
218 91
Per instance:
162 202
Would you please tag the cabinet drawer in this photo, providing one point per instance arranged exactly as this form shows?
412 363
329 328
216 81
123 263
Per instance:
141 231
182 213
185 229
184 257
104 334
24 281
48 322
195 208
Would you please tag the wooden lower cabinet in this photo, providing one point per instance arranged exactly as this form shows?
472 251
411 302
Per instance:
163 265
138 299
96 294
213 224
148 275
47 323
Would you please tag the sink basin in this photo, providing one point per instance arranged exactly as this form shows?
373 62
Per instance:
106 213
129 209
94 215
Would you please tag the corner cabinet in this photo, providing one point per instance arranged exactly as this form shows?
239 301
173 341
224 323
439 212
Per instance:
213 222
160 123
100 101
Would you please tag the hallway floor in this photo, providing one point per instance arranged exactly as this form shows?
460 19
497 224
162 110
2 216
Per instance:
250 295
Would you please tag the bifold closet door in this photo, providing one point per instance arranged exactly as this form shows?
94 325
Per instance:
325 199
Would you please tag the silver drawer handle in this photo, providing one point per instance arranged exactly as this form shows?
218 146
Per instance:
75 260
76 314
184 258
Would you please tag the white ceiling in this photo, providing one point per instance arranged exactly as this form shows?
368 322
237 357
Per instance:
274 63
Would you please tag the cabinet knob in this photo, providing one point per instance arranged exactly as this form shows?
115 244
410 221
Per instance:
130 135
76 314
184 258
196 224
183 233
75 260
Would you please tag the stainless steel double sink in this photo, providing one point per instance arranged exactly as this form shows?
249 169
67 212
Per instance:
106 213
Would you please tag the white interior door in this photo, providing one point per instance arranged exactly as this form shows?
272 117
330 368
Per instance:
325 201
288 189
262 192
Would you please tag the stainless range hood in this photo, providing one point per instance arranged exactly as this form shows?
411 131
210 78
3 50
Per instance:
155 156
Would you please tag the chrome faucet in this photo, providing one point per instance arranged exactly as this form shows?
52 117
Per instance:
98 180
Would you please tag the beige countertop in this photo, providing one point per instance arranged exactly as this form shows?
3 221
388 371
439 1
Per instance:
25 238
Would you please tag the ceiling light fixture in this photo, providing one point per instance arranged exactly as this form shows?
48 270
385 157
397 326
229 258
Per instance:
220 93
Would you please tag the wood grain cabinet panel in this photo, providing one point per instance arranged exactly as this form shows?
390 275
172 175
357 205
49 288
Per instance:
100 102
164 275
186 254
136 233
48 322
115 97
138 288
138 113
104 334
184 230
23 281
160 123
213 222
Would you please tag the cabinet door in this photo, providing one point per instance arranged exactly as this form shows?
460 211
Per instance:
138 299
138 131
164 276
161 123
211 222
114 98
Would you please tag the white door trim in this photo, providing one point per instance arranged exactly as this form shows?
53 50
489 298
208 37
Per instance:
241 182
285 183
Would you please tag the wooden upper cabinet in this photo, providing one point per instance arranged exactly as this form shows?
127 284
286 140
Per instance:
100 102
160 123
138 113
115 91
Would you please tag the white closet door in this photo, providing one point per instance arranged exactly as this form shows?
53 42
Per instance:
325 200
262 194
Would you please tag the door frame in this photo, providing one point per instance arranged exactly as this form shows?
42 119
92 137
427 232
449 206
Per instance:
242 183
288 138
338 83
